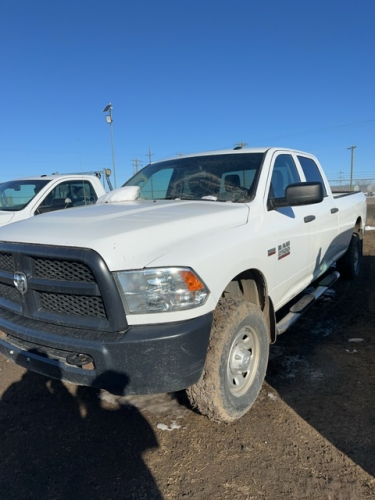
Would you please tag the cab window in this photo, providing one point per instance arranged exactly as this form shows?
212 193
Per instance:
219 177
16 195
284 173
311 171
68 194
156 186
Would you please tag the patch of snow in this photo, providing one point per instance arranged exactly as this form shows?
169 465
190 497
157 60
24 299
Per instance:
272 396
369 228
157 404
164 427
351 352
357 340
126 193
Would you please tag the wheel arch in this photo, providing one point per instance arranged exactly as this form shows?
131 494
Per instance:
359 227
251 285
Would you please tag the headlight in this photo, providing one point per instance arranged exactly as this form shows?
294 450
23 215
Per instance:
160 290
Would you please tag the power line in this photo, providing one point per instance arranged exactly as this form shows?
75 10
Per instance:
319 130
241 144
149 154
136 162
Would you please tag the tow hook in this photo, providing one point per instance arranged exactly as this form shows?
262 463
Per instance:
84 361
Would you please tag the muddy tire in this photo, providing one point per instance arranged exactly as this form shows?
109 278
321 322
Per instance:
236 362
349 265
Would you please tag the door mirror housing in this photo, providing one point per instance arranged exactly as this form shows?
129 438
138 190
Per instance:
301 193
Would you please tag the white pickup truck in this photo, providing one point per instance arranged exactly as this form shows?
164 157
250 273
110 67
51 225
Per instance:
181 279
23 198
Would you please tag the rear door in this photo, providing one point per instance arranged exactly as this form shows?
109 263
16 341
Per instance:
324 243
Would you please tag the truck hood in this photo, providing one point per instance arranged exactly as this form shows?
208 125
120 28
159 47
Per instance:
129 235
5 217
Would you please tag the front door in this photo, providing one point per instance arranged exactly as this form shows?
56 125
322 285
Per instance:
289 252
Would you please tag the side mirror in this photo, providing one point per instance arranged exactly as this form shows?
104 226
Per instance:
301 193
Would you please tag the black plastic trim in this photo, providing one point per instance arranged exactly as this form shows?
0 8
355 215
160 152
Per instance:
146 359
309 218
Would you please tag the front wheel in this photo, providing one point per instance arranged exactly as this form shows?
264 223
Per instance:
236 362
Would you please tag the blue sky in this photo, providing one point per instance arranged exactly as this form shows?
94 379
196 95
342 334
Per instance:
184 76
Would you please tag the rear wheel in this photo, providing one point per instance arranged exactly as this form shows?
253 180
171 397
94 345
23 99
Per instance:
349 265
236 362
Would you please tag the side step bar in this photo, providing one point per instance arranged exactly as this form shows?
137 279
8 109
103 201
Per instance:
307 300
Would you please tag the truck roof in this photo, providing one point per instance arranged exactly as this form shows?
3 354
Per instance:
233 151
52 177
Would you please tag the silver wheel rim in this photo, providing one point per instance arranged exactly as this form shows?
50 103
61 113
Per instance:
243 361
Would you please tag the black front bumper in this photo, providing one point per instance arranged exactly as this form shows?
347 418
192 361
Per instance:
145 359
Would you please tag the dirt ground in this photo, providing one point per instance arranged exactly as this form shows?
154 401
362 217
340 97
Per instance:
310 434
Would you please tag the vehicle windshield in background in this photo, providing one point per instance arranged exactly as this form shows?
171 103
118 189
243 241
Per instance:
221 177
15 195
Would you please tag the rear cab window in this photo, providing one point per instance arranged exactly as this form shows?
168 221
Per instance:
311 171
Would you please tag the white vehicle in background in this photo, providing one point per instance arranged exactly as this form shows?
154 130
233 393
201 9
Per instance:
23 198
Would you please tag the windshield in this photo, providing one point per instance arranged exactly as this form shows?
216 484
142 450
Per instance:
225 177
15 195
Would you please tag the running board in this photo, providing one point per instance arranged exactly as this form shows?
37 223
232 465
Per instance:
307 300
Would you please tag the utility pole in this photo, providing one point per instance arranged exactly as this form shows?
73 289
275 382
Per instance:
149 155
135 165
351 167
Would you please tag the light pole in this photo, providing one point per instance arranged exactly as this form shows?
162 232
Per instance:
351 167
108 109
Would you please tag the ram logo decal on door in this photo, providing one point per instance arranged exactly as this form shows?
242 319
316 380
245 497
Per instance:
283 250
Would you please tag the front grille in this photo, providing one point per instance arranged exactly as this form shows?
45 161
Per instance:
65 286
72 304
62 270
6 262
8 292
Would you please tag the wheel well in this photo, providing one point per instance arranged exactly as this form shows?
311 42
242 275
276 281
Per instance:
359 227
251 286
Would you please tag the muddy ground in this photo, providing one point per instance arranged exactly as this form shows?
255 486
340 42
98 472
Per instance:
310 434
